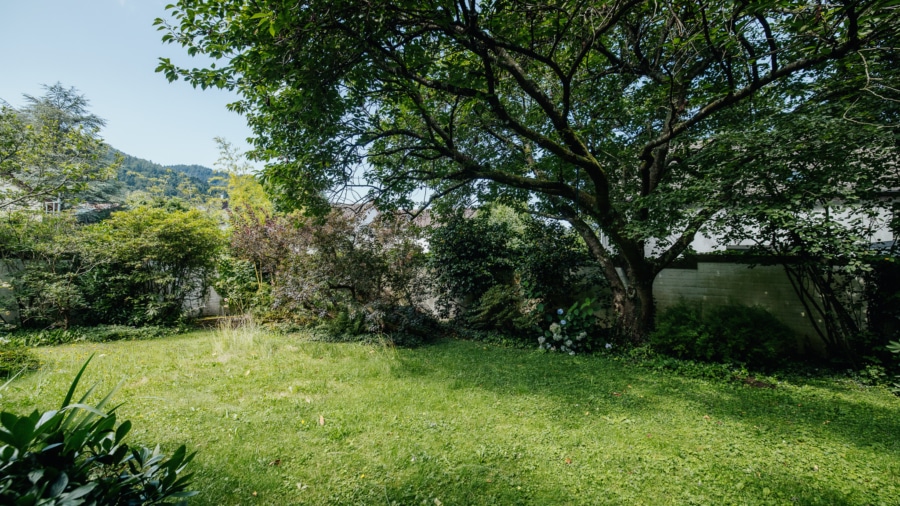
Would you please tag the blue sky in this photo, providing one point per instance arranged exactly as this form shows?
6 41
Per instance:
108 50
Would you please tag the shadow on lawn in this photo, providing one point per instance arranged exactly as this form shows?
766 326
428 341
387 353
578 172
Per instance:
557 383
821 411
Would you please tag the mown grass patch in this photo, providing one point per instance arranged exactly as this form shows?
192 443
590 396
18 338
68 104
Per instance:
278 419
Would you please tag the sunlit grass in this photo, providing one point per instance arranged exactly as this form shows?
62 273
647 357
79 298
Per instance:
283 420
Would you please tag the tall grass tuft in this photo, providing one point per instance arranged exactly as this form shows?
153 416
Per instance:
238 335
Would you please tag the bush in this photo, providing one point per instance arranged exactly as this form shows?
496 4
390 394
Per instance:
555 267
469 256
894 347
503 272
98 334
409 326
14 358
500 309
572 331
732 333
343 267
152 263
681 333
747 334
76 455
44 256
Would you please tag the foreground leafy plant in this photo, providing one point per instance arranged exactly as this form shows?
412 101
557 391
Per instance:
76 455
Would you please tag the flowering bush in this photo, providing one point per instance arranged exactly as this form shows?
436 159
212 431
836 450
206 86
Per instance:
571 331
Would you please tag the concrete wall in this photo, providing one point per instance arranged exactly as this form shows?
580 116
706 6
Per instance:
717 283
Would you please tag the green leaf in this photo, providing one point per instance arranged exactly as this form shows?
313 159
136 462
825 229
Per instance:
59 485
74 385
122 430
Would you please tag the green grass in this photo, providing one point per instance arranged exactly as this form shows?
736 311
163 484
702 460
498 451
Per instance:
282 420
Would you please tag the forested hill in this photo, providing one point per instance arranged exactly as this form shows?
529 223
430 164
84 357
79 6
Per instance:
170 180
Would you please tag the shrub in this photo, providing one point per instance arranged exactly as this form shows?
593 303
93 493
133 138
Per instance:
98 334
680 332
747 334
152 262
242 291
731 333
571 331
44 255
14 358
555 267
342 267
494 270
469 256
894 347
500 308
76 455
410 326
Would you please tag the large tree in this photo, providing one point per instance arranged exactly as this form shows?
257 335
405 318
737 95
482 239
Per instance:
596 112
50 148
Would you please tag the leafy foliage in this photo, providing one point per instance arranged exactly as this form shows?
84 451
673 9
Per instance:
44 256
812 198
468 256
501 308
572 331
50 149
140 267
555 267
894 347
592 112
94 334
731 333
507 272
151 262
14 358
352 267
76 455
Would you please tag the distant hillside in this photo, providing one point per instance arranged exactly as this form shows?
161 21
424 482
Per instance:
170 180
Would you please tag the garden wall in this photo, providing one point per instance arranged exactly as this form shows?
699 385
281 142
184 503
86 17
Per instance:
719 281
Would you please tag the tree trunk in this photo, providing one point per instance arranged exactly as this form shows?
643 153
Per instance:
634 308
632 302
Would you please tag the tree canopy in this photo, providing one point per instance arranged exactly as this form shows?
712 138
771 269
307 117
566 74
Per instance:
50 148
601 113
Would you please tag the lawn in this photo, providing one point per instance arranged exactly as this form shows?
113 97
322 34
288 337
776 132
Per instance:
280 419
